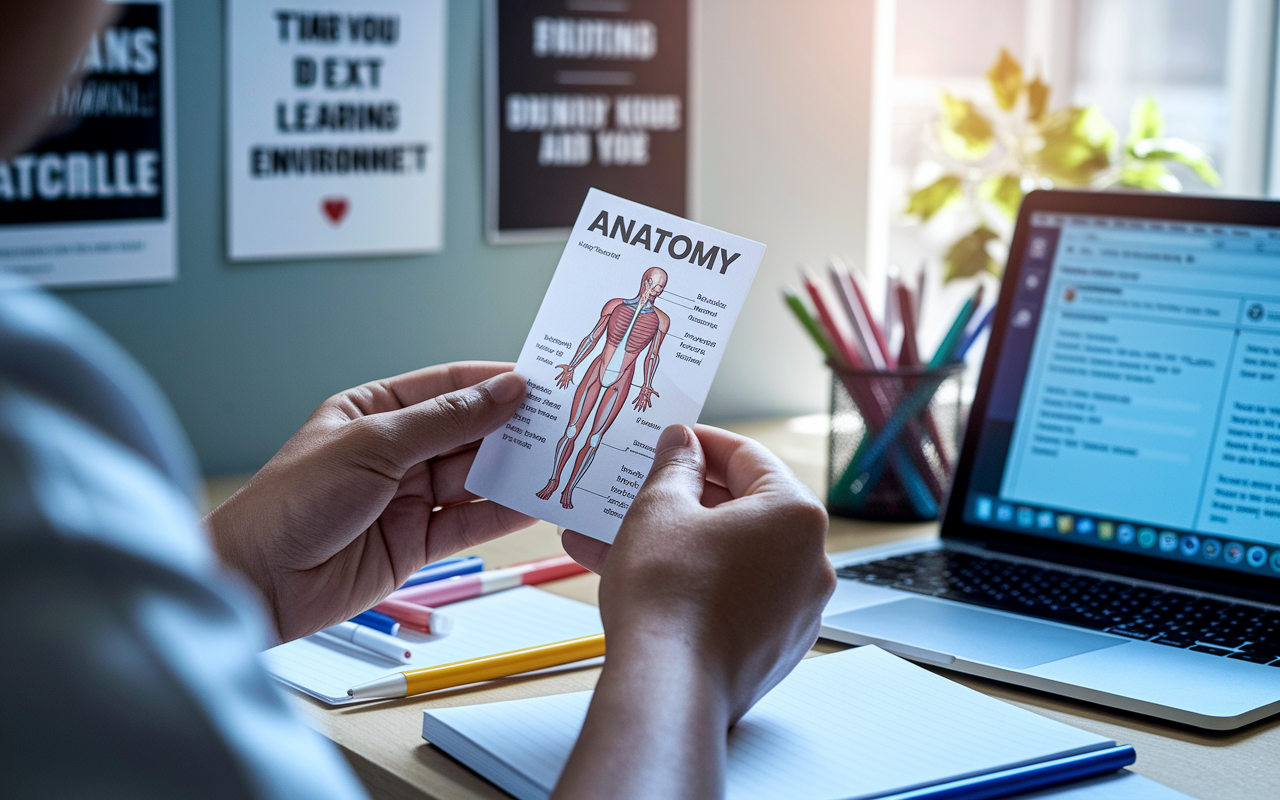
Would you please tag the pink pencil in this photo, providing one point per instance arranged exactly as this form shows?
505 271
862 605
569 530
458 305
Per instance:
863 327
843 347
877 330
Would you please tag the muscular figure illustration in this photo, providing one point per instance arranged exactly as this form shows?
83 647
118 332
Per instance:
627 326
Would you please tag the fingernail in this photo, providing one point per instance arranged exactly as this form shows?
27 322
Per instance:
672 436
504 388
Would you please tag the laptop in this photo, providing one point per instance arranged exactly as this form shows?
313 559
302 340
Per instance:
1113 533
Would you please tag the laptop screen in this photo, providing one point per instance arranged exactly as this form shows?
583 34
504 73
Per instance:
1135 404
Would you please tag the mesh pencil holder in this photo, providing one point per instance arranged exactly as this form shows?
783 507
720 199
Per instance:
894 442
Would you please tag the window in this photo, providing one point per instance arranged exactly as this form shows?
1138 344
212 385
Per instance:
1209 64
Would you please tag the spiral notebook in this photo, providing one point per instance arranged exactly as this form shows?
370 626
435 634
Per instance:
857 724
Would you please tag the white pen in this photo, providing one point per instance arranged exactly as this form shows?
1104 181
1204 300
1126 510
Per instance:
374 641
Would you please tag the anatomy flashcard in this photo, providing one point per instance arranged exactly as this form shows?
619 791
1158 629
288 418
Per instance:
627 341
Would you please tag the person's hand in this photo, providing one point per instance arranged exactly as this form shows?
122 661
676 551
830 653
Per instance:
366 492
711 593
722 549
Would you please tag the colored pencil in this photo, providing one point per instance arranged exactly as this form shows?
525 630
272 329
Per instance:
877 330
864 325
811 327
867 350
909 355
486 668
947 349
828 320
973 332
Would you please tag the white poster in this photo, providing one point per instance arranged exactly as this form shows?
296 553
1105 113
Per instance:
336 128
627 342
94 202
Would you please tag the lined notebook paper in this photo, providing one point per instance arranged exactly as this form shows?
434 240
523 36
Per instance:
857 724
326 668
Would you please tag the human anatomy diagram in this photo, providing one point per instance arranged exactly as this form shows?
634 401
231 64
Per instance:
627 327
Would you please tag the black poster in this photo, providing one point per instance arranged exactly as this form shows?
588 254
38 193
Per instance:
583 94
105 160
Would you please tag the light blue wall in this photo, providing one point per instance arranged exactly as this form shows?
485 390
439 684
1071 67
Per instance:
246 351
781 147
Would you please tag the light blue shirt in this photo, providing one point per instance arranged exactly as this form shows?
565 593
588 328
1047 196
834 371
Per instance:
128 656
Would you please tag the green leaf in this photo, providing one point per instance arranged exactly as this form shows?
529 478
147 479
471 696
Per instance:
1150 176
1077 145
969 256
1037 99
1145 121
933 198
1005 77
1004 192
1181 151
965 133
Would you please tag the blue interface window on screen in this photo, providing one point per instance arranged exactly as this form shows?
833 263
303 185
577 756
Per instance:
1149 416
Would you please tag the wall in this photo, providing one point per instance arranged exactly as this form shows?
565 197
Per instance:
246 351
784 98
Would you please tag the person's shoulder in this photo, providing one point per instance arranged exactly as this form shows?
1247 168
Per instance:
81 423
53 352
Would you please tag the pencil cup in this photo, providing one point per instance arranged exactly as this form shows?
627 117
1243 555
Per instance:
895 440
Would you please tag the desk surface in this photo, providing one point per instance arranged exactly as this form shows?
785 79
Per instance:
383 741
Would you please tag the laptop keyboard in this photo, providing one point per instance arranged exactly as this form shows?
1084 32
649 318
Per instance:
1176 619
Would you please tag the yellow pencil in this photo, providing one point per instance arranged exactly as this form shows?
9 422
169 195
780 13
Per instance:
485 668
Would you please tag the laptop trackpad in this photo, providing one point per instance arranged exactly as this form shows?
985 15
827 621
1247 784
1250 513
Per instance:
970 633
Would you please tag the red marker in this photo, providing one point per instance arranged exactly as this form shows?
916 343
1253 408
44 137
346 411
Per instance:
465 587
419 618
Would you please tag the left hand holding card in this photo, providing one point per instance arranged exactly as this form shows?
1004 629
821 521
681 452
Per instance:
366 492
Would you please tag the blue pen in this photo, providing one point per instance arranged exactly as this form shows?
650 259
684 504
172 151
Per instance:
974 332
1026 778
378 621
446 568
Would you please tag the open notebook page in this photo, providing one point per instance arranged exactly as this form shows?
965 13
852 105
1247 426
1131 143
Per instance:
326 668
857 724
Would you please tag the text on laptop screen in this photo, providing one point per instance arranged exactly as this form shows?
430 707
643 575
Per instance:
1136 402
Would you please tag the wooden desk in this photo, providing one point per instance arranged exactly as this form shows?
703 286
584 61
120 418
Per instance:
383 741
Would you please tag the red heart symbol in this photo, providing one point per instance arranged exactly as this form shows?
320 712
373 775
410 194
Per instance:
335 208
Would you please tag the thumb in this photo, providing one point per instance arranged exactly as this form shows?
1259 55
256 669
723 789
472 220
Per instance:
679 468
590 553
411 435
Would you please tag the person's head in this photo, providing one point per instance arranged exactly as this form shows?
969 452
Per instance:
41 42
652 283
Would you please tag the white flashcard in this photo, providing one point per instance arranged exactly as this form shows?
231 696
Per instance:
335 127
627 342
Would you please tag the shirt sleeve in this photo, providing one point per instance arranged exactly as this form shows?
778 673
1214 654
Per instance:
129 658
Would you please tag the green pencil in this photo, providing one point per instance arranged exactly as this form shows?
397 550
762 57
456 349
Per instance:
810 324
947 350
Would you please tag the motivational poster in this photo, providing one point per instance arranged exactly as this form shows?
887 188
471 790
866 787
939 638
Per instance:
627 341
94 202
582 94
336 128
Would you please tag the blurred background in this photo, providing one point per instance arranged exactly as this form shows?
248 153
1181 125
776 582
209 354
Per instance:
812 123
